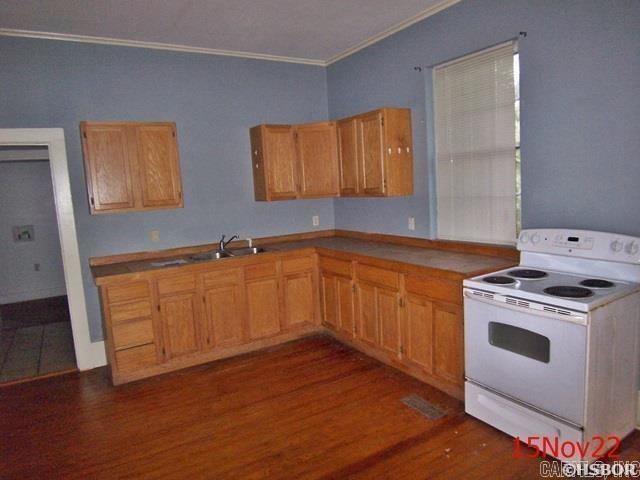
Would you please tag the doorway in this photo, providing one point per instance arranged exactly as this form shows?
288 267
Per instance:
35 324
51 140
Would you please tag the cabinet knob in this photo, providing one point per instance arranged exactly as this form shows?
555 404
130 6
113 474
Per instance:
255 152
408 149
389 150
399 150
257 165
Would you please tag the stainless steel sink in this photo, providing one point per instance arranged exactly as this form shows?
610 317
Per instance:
239 252
201 257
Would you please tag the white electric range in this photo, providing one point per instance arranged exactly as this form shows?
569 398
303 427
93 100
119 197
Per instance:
551 346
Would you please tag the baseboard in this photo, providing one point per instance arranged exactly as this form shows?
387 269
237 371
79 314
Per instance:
23 296
97 356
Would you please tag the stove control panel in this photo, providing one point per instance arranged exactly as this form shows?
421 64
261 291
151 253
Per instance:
581 243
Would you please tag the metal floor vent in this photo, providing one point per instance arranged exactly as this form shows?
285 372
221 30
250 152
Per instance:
421 405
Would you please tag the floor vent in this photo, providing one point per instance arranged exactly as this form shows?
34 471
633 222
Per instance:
421 405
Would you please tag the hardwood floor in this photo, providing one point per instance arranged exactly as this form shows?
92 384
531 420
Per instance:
308 409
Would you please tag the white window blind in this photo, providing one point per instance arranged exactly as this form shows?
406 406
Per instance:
474 108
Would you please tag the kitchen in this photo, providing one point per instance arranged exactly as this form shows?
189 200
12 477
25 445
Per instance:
578 136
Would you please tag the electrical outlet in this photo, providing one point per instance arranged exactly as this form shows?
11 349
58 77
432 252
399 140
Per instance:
315 220
36 267
411 224
154 235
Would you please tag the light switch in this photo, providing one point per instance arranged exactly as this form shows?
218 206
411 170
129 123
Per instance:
411 224
154 235
316 220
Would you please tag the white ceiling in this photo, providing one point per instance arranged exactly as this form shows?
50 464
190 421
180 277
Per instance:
308 31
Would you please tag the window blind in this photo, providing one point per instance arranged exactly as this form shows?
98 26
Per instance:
474 111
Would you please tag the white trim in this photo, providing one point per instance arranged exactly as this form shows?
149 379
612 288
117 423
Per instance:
88 355
25 295
432 10
67 37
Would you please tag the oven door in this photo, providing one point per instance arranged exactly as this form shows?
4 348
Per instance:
533 356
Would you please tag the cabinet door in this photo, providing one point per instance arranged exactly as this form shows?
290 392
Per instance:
345 306
280 156
298 299
372 153
389 320
262 306
158 168
367 313
329 292
317 155
223 309
347 132
418 332
448 343
108 166
179 317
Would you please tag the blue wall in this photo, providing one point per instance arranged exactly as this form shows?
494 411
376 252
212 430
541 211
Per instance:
580 79
580 114
213 99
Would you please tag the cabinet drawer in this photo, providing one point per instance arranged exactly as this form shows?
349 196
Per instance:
436 288
339 267
380 276
136 358
221 277
128 292
260 270
129 334
177 284
130 311
297 265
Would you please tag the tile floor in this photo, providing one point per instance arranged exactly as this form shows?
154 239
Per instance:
34 350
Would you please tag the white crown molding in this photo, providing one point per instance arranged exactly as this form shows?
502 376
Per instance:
9 32
390 31
66 37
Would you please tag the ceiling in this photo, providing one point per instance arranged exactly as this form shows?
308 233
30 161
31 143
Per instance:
304 31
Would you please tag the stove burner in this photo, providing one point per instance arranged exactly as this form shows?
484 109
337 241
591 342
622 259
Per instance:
499 280
527 273
568 291
597 283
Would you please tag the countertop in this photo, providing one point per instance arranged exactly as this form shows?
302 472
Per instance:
452 262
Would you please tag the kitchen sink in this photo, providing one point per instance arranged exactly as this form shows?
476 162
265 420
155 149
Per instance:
216 255
239 252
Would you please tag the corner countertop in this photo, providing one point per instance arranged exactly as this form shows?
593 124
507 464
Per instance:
412 258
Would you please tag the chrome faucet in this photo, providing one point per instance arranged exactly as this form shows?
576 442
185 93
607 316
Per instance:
222 245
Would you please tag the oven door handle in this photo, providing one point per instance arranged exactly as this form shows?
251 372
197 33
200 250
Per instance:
574 317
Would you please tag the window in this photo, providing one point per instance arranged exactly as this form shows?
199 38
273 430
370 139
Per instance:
476 110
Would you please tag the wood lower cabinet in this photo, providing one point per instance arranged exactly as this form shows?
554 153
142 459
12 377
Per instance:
418 332
130 330
337 296
179 321
448 334
223 298
299 289
131 166
263 309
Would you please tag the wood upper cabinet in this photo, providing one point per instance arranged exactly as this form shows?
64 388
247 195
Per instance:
349 156
299 161
317 156
263 305
223 298
131 166
376 153
274 162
